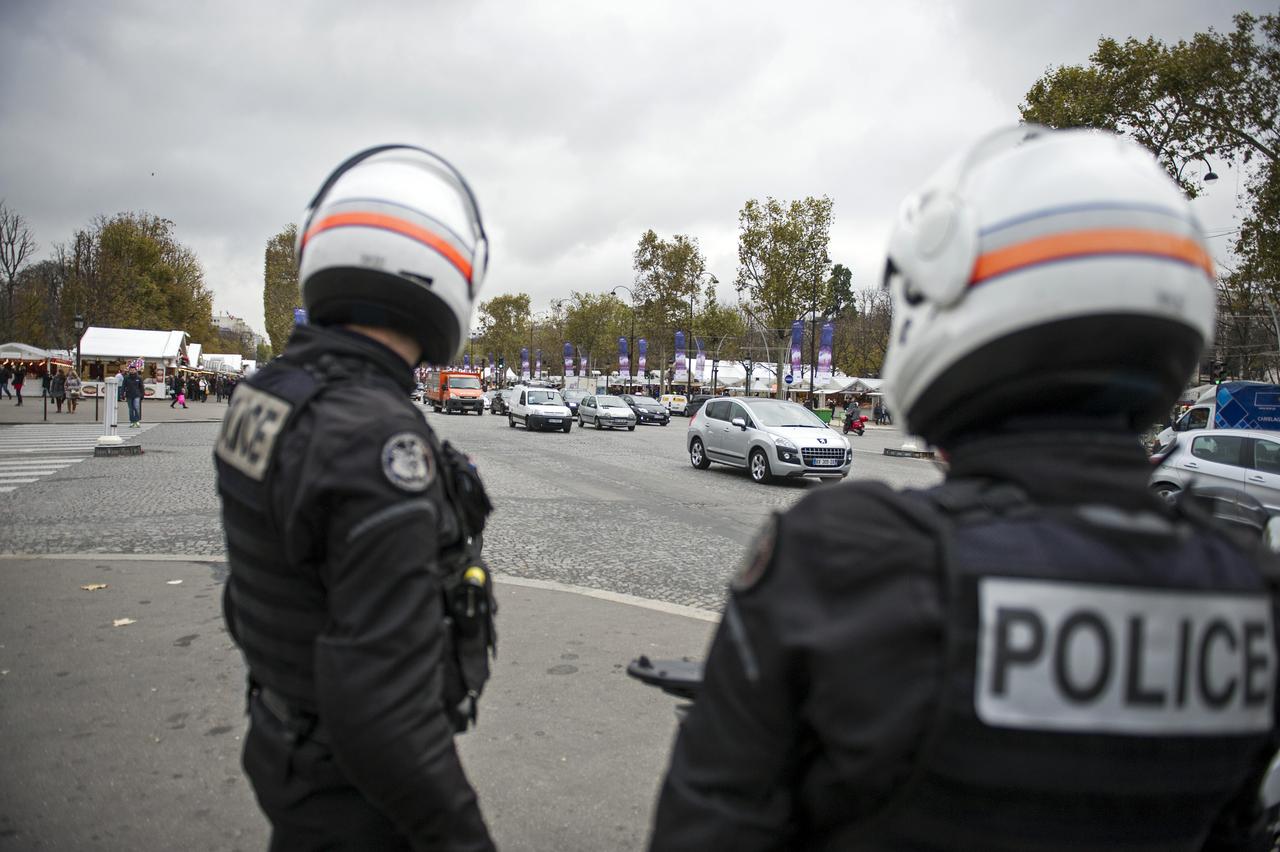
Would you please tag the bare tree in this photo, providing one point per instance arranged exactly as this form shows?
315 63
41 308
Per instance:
16 247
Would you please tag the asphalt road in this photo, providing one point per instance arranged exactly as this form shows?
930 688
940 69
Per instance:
614 510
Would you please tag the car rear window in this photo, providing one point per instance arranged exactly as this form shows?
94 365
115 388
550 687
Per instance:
1223 449
1266 456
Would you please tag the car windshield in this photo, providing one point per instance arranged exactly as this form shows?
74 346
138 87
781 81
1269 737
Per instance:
644 400
777 413
464 382
612 401
544 397
574 395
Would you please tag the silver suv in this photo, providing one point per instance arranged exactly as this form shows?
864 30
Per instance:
769 437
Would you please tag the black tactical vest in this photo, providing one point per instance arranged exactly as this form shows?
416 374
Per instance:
1109 684
274 610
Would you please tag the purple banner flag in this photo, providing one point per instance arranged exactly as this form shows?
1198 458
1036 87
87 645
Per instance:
299 316
642 351
797 336
524 363
700 365
568 360
466 361
582 363
824 353
681 366
624 362
537 366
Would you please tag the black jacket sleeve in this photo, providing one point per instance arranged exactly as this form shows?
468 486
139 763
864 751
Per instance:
379 661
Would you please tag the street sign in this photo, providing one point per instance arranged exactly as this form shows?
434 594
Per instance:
788 378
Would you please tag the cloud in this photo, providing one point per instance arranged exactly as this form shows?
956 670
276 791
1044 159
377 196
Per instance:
580 124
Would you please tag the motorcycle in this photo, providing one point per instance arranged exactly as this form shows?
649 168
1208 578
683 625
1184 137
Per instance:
856 424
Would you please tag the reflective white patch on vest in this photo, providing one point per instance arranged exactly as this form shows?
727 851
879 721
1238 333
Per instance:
407 462
1076 657
249 430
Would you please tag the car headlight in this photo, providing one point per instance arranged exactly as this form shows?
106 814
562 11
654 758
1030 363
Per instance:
784 444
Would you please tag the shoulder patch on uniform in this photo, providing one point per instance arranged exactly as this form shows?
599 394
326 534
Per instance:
407 462
249 430
759 557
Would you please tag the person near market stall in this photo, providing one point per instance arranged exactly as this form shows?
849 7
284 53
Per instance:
74 387
6 376
58 389
46 382
19 379
133 393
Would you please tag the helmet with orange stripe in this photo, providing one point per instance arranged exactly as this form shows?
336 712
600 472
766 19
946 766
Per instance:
394 238
1045 273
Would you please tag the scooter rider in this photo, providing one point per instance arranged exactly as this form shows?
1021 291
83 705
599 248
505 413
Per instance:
1040 654
351 530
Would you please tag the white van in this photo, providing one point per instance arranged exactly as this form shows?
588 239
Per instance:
538 408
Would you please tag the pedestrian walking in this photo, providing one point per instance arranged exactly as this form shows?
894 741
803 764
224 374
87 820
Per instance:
46 379
74 388
6 376
177 395
58 388
358 682
19 379
204 390
1039 640
133 392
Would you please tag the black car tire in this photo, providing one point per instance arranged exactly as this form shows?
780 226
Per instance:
758 466
631 428
581 425
598 426
568 426
511 421
698 455
1166 490
480 411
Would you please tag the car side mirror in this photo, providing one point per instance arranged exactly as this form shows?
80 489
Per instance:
740 423
1180 426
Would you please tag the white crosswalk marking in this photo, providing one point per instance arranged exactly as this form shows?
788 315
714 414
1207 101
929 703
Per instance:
29 453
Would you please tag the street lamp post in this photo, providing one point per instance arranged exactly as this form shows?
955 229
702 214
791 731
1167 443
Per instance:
78 324
631 344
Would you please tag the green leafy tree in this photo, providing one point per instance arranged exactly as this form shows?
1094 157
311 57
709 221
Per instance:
265 352
280 286
593 324
784 270
669 275
505 322
1215 97
16 247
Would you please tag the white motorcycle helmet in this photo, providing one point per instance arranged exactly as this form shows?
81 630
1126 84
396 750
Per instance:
1045 273
394 238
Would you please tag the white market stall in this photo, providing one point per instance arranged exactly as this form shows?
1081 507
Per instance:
106 351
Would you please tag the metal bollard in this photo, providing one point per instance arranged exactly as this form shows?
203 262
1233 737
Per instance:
110 415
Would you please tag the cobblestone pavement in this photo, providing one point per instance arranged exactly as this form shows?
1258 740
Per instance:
614 510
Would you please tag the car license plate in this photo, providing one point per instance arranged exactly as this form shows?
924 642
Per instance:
553 419
826 462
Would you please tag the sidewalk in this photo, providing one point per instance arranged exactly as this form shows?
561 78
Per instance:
129 737
33 410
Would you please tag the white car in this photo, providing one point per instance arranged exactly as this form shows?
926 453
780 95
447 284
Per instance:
674 402
538 408
1241 460
604 410
771 438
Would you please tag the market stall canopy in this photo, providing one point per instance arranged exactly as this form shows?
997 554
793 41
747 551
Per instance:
861 386
22 352
193 354
118 343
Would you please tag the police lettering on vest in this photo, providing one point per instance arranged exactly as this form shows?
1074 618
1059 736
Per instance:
249 430
1078 657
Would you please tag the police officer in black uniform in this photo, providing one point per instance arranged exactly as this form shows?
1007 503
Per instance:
1038 654
352 533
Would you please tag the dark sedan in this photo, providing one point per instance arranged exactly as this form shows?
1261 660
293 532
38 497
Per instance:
695 402
573 397
647 409
501 402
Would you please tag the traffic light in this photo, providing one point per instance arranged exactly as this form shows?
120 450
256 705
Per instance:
1218 372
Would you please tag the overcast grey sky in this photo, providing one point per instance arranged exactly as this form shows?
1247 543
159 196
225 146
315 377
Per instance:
579 124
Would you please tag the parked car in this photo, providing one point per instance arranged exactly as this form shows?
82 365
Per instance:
1242 460
419 393
696 402
769 437
573 397
647 409
538 408
501 403
487 399
675 403
605 410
